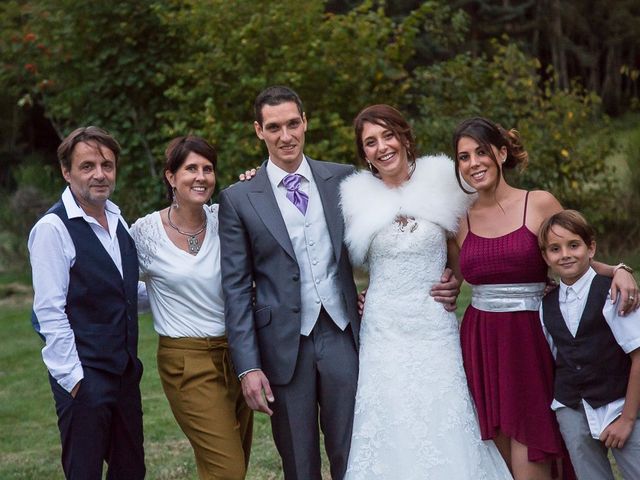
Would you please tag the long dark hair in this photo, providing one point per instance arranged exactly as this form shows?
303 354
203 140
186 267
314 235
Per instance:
487 133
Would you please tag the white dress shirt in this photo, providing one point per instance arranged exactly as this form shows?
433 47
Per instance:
185 291
52 254
626 330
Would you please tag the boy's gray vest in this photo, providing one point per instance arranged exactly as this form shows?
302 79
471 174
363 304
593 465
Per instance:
591 366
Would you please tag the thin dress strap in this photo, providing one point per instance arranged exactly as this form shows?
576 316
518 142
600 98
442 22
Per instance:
524 216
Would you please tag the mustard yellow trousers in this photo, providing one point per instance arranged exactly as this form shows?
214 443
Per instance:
206 400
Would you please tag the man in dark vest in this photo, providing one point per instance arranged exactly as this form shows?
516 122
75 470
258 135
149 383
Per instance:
85 280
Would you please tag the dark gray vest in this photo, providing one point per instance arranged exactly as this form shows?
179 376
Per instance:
591 366
101 305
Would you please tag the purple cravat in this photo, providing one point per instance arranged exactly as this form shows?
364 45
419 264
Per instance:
297 196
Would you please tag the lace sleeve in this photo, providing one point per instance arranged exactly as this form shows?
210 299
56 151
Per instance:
147 236
212 217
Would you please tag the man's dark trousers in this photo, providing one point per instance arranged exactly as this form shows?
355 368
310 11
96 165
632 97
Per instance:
103 423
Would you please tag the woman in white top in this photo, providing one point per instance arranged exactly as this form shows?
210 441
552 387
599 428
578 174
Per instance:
179 256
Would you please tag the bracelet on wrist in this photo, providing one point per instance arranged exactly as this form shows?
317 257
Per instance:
623 267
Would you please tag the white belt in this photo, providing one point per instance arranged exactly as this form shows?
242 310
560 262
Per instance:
507 297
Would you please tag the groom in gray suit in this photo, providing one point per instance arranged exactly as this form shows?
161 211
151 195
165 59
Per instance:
290 301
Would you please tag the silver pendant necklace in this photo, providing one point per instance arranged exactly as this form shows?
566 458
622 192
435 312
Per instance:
192 238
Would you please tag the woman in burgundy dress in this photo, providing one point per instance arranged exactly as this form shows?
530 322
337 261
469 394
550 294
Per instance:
507 361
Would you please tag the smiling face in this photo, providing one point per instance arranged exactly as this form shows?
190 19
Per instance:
476 164
193 181
567 254
282 130
385 152
92 176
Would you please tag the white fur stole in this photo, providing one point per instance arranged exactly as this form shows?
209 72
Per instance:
368 205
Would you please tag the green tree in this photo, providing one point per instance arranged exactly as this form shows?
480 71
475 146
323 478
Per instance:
148 71
556 124
594 43
22 83
106 64
338 63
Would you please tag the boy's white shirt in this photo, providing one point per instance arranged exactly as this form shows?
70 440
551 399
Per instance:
626 331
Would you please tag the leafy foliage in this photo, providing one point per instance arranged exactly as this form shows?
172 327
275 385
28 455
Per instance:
38 187
555 124
101 63
149 71
337 63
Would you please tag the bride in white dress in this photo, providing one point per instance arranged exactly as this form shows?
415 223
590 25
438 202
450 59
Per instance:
414 417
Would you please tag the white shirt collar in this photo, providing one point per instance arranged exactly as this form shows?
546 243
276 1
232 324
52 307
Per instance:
74 210
580 287
276 174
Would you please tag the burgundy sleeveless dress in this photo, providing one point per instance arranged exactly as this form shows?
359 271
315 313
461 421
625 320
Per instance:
506 357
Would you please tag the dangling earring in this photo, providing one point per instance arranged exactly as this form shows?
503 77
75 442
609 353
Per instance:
174 202
373 170
412 167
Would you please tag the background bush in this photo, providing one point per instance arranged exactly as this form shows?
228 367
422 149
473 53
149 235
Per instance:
148 71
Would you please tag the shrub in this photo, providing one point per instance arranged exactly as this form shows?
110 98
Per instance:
38 187
556 125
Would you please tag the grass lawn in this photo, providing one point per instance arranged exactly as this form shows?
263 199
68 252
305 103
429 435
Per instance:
29 444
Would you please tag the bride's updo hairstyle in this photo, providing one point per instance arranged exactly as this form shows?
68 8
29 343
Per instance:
487 134
387 117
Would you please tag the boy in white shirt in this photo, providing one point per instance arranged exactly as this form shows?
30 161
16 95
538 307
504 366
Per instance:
597 378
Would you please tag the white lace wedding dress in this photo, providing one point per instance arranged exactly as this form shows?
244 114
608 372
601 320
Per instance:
414 417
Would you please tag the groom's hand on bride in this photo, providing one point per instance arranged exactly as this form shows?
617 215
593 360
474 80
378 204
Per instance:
257 392
446 292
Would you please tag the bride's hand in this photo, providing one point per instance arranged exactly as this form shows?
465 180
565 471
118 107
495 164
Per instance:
361 299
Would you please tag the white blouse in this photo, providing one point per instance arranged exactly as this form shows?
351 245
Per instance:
185 291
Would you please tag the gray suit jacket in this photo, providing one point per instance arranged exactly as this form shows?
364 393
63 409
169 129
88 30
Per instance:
260 274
